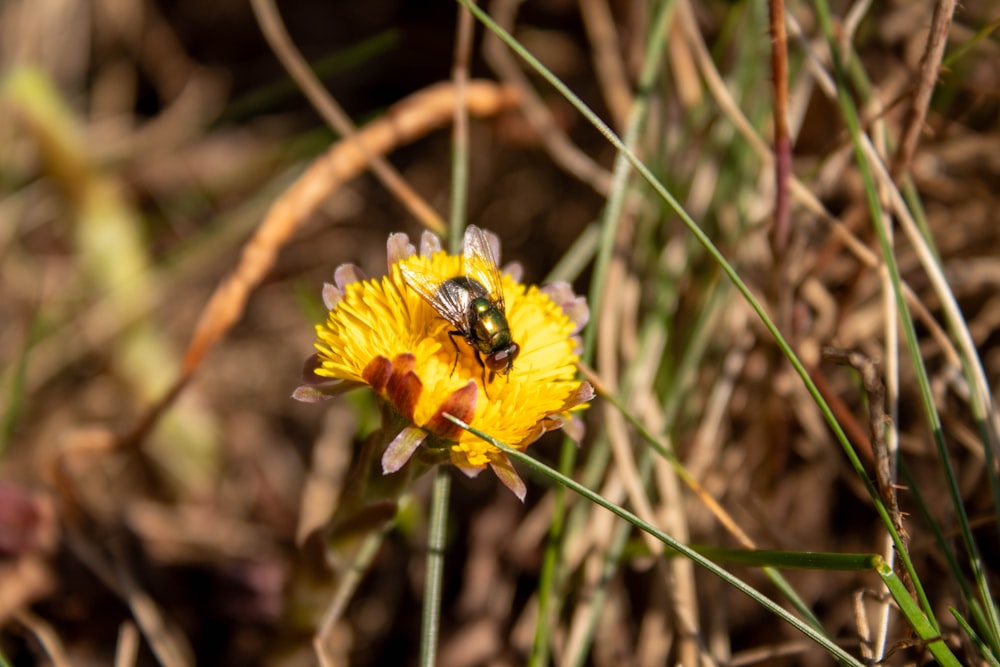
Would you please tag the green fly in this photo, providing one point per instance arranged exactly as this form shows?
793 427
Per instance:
473 304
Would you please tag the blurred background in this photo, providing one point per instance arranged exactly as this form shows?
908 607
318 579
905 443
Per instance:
141 144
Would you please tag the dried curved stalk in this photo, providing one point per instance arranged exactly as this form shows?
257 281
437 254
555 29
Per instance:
405 122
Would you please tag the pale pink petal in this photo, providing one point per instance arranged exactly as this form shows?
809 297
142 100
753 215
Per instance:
585 394
308 393
505 472
575 307
315 388
494 242
331 295
399 451
347 274
574 429
515 270
309 375
430 243
398 248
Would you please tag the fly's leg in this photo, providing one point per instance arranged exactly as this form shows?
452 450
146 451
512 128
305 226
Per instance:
483 366
479 360
451 337
485 390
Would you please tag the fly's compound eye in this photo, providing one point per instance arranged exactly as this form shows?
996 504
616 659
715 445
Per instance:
502 360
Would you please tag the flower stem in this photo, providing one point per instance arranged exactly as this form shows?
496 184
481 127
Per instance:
435 567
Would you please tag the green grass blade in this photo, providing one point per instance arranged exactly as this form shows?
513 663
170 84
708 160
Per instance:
850 116
925 628
611 219
979 400
540 468
790 560
709 246
664 451
984 650
706 242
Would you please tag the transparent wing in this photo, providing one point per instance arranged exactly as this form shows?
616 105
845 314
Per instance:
449 304
480 263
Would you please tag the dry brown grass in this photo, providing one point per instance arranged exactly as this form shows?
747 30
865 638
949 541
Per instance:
169 213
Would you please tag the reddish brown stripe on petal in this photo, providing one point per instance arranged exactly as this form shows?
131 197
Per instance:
403 387
461 404
403 391
377 374
404 363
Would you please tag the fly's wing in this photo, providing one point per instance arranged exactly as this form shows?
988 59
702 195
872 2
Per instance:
480 263
447 302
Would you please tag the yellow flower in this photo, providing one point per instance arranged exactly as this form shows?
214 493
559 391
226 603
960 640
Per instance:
384 334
